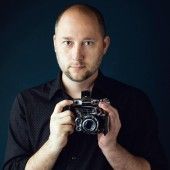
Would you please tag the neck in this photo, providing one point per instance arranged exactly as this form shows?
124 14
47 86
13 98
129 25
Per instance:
74 88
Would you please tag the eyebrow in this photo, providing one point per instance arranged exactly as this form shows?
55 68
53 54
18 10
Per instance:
85 39
89 39
67 38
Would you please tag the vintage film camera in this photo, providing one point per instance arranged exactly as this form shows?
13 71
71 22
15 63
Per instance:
89 118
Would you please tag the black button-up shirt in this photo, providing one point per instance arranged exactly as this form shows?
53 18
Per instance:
30 117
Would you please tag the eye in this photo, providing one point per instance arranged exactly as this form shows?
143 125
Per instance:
67 43
88 43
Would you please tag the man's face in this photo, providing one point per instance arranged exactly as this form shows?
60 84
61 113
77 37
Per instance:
79 45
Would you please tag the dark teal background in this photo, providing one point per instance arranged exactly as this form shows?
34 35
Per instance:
138 55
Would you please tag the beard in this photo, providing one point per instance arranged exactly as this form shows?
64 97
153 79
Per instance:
84 73
80 78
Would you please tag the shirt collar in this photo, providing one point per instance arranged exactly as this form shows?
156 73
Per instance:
100 86
57 85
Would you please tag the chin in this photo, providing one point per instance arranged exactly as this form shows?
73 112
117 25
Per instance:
77 77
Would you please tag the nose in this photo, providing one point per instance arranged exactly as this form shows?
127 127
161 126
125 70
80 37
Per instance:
77 52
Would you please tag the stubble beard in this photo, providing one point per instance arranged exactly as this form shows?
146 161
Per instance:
84 76
87 73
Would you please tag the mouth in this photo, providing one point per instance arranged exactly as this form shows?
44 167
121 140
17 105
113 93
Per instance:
77 66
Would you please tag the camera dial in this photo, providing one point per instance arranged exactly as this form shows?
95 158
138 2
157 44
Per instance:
90 124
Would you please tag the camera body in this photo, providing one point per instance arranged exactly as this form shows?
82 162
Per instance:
89 117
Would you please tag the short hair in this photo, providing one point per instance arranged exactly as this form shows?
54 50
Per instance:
87 9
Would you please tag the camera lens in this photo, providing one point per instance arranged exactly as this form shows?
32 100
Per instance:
89 125
77 102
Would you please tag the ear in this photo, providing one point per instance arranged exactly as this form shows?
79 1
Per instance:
106 44
54 42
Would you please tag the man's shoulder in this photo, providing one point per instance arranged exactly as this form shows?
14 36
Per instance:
42 90
123 95
117 87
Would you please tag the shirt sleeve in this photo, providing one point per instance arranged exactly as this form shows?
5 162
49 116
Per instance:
18 148
146 140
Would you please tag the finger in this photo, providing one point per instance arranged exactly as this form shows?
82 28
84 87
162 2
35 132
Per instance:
65 114
65 117
66 121
59 106
108 108
115 120
113 113
68 129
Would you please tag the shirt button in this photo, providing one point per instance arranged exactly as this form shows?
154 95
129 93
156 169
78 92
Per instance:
73 158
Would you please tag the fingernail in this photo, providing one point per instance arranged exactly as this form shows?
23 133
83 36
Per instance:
103 104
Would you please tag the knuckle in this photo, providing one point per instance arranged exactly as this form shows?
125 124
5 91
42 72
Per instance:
67 128
61 103
70 119
68 112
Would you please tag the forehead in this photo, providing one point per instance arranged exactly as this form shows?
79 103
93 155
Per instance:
78 11
75 21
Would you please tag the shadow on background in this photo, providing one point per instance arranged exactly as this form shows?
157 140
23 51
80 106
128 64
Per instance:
138 54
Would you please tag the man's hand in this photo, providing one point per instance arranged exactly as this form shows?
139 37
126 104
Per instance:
61 125
117 156
109 141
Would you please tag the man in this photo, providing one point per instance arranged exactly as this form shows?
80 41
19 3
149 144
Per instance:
42 133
